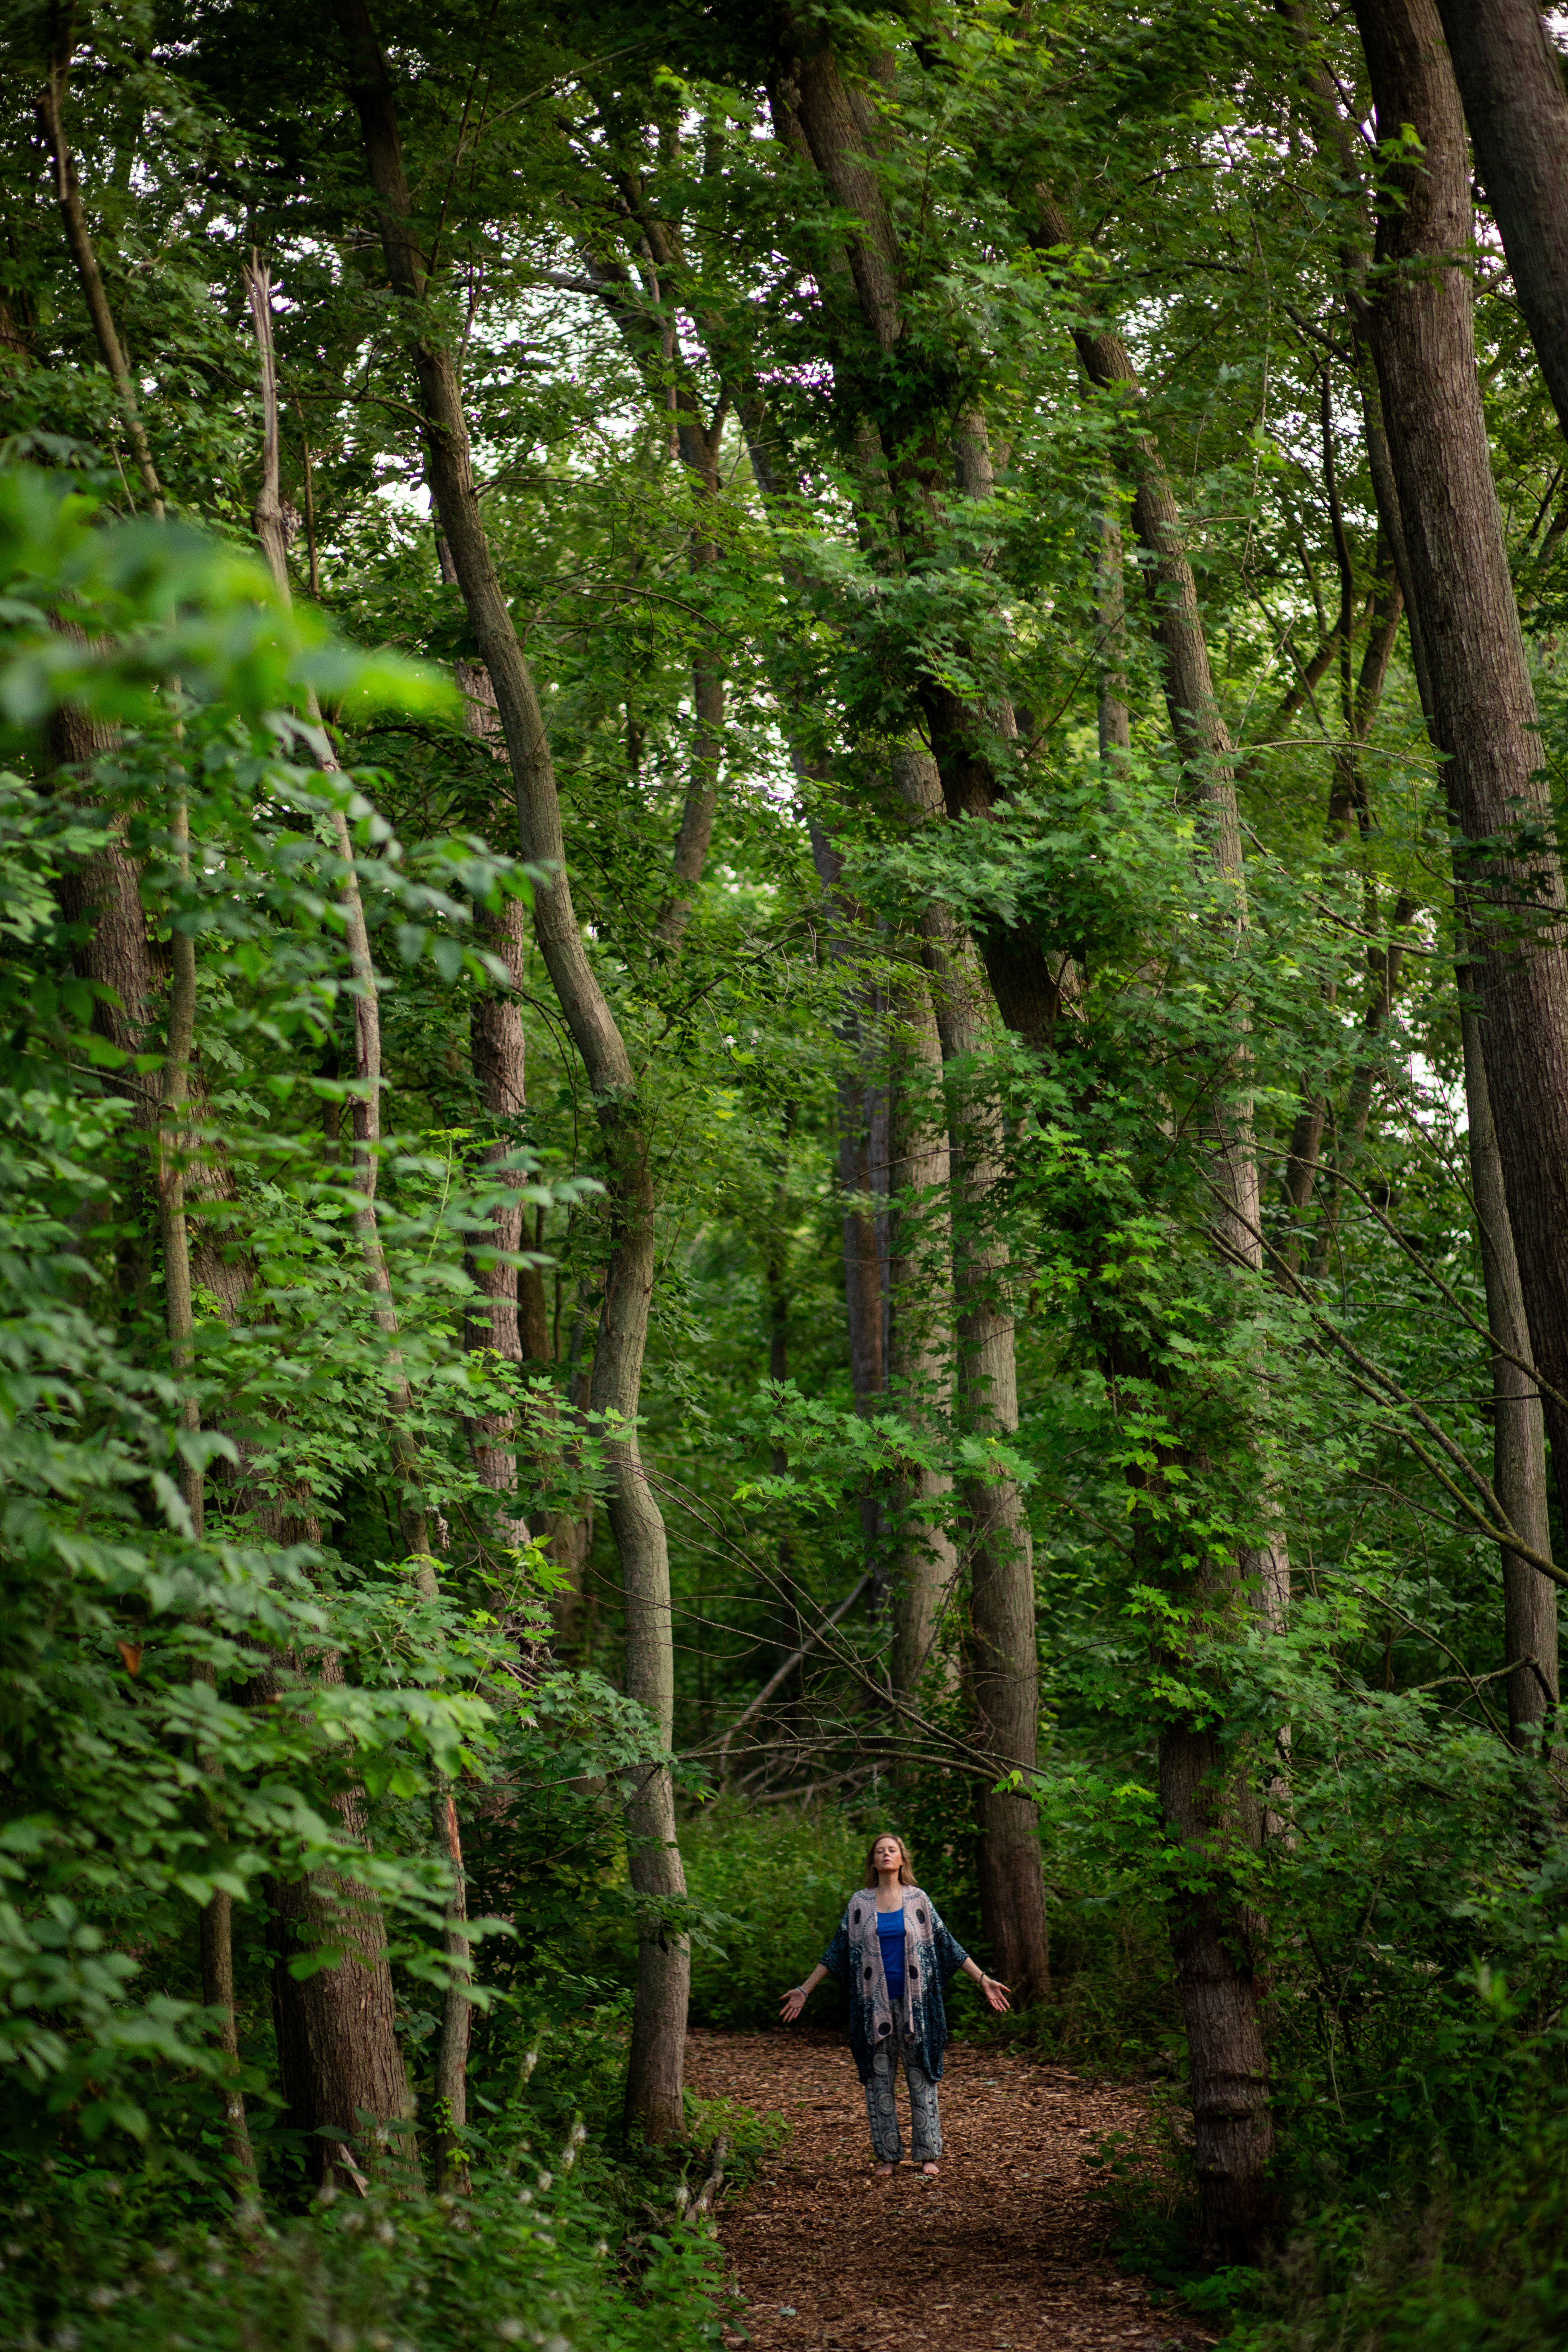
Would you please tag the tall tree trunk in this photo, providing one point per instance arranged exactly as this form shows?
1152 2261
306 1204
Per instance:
920 1355
1213 1935
655 2066
507 1316
517 1322
1518 1438
344 2014
1509 74
863 1290
1004 1654
451 2067
1476 685
1114 720
1530 1626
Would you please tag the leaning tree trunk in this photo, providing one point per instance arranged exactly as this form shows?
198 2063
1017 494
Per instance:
1481 704
656 2067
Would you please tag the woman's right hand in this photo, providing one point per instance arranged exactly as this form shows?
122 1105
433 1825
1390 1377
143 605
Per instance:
792 2003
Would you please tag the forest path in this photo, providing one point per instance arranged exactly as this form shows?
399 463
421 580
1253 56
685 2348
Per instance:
1005 2251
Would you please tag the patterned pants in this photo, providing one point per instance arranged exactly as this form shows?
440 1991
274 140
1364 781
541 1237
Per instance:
882 2114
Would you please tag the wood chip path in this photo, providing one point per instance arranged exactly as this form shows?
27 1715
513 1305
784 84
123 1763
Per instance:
1003 2252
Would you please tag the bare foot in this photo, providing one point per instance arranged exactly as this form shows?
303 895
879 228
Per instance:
882 2172
930 2171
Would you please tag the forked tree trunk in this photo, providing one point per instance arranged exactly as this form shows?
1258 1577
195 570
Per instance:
655 2066
1481 704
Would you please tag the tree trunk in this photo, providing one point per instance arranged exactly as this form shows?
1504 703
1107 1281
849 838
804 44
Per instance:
1481 705
655 2071
516 1325
1518 1441
1113 717
1004 1651
920 1356
1509 74
863 1290
507 1316
1215 1937
341 2070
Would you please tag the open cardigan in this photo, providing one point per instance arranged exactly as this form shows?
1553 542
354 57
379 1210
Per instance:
919 2025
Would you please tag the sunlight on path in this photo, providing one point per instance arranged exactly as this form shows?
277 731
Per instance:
1003 2252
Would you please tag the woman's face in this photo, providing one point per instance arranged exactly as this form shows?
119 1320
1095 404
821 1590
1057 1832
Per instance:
886 1853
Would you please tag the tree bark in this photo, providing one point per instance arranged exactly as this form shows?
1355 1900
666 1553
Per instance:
655 2066
1480 697
920 1356
1511 78
1519 1437
1004 1651
863 1287
341 2070
507 1316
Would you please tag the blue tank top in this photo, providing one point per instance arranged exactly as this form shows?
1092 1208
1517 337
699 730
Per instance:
891 1935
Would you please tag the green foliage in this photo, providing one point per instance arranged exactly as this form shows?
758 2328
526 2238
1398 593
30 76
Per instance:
624 248
555 2245
783 1878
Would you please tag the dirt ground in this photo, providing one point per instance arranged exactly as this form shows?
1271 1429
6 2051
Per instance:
1003 2252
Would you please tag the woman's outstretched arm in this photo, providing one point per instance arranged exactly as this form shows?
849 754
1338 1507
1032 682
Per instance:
795 2001
996 1994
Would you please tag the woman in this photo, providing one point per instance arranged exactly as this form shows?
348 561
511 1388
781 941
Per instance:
892 1955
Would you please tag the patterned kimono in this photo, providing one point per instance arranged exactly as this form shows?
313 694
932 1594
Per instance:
932 1954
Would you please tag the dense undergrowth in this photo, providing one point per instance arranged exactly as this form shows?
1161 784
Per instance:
569 2241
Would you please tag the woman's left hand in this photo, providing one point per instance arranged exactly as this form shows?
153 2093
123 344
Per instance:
996 1994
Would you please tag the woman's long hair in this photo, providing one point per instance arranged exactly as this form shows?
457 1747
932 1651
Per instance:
906 1862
